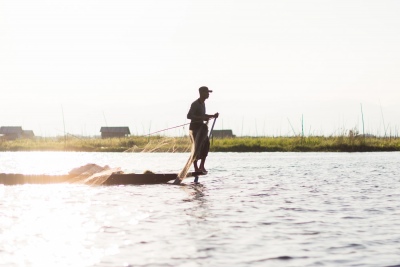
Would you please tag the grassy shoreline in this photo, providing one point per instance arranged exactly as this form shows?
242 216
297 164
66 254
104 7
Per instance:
182 144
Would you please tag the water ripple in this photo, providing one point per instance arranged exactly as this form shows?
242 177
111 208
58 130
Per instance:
261 209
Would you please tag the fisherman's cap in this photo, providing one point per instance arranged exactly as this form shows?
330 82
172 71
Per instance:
204 89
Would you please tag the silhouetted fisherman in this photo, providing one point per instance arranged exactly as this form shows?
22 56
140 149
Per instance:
198 130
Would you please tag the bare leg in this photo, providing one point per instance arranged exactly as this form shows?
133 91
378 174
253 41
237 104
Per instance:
202 162
196 168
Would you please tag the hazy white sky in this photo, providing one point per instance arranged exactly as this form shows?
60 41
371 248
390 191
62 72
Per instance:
91 63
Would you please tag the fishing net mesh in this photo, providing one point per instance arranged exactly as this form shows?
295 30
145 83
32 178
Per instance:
197 146
91 174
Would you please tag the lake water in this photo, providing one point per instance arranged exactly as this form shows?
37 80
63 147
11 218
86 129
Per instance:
252 209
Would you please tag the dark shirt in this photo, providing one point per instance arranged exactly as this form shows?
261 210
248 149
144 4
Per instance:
196 109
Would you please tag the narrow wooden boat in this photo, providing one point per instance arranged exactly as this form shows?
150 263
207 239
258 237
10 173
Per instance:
145 178
113 179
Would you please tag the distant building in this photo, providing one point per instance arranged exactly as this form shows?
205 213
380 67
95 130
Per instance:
111 132
28 134
222 134
15 132
11 132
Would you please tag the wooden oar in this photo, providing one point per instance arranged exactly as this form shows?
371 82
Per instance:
212 127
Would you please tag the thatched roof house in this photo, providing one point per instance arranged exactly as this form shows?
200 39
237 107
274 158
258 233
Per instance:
28 134
111 132
15 132
222 134
11 132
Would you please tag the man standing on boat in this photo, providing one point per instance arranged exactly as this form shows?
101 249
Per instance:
198 130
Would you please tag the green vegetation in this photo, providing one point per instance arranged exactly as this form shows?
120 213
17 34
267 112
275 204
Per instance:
182 144
306 144
128 144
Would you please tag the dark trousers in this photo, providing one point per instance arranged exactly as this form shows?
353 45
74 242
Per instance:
199 138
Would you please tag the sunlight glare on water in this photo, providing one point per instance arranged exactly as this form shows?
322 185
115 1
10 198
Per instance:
43 162
52 229
60 225
63 162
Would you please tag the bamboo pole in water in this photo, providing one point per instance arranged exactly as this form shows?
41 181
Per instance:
362 118
65 137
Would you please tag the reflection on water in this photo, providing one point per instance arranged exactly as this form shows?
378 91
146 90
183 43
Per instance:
261 209
196 196
194 191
